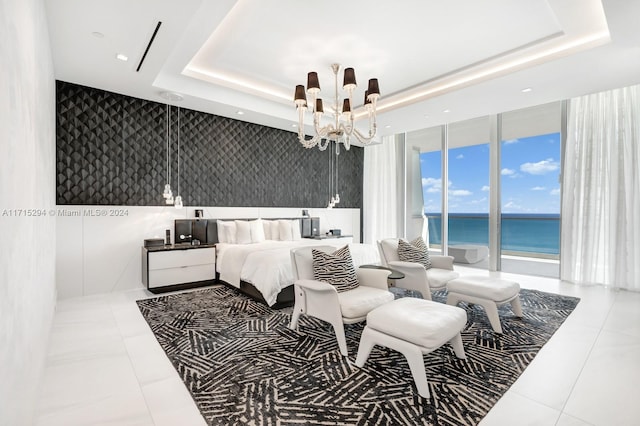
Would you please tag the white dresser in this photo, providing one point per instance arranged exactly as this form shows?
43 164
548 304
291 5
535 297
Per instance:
169 268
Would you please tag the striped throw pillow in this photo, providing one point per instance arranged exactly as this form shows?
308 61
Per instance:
415 251
336 269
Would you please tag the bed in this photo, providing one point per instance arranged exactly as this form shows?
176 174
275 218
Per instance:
260 266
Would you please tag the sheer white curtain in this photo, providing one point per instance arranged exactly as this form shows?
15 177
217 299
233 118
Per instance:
380 194
601 190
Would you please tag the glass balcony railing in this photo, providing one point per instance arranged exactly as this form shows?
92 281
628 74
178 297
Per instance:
528 235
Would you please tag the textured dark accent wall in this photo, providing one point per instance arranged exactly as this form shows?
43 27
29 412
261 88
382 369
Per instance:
111 149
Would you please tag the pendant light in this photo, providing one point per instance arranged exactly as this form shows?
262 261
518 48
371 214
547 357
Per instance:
178 201
333 176
168 193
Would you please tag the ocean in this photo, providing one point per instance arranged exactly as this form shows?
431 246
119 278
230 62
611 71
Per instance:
528 233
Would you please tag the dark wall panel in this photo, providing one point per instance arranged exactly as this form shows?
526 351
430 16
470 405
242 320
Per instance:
111 149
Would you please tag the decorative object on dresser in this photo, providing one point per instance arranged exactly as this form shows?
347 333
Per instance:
168 268
153 242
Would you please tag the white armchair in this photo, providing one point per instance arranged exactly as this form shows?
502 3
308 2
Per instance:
321 300
416 277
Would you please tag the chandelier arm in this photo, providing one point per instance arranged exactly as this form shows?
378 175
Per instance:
309 143
362 138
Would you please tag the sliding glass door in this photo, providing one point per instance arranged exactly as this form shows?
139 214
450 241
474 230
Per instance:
530 190
490 186
468 192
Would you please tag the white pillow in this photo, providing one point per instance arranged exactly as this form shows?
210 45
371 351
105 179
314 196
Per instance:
243 232
284 228
295 230
266 224
226 231
257 231
222 232
275 229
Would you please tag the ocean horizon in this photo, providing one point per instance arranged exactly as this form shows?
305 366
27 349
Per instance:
521 232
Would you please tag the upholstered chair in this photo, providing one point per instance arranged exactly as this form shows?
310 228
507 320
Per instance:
323 301
416 277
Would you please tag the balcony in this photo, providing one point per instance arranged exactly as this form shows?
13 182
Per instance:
530 242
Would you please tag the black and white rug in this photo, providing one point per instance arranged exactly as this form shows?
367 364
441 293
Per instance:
243 365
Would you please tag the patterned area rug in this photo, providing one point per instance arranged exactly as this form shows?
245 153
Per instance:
243 365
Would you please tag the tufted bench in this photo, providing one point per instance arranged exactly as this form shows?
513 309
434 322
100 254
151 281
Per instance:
487 292
413 327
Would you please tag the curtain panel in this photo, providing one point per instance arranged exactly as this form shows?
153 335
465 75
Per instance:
601 190
380 195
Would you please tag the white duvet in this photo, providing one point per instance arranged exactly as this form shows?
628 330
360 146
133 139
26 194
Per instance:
267 265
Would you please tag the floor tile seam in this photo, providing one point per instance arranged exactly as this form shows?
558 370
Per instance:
574 417
620 333
132 258
586 360
176 408
135 372
529 398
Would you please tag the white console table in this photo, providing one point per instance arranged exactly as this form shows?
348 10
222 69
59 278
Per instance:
177 267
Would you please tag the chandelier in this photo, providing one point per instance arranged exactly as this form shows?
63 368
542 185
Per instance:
343 126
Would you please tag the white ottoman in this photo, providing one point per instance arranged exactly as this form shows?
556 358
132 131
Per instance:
413 327
487 292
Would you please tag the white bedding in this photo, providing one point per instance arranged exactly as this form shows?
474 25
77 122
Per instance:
267 265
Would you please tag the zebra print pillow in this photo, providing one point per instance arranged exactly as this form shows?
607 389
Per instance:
336 269
415 251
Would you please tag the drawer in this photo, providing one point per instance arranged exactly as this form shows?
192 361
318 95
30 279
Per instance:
187 274
178 258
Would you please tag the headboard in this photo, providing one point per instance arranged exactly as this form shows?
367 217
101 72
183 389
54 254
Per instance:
206 230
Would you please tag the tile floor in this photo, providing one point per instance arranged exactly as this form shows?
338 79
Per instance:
104 366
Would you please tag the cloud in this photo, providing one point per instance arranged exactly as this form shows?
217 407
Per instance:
555 191
485 188
538 188
510 141
541 167
460 192
460 157
481 200
511 206
507 172
432 185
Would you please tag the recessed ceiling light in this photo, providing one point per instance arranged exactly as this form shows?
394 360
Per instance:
527 90
294 125
97 34
446 110
388 126
240 112
122 57
171 96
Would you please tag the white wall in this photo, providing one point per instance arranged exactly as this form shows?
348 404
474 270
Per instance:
99 251
27 181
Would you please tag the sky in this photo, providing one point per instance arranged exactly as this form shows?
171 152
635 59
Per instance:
530 169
